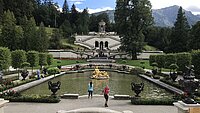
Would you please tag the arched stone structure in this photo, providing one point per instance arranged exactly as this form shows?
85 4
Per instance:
101 45
106 44
96 44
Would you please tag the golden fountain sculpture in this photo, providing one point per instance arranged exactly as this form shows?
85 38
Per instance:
99 74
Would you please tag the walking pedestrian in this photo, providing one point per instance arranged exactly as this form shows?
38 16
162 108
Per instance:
106 95
90 89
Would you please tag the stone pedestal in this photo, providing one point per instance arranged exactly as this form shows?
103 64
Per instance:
2 103
184 108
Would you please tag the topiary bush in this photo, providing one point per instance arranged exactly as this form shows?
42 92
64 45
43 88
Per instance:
52 71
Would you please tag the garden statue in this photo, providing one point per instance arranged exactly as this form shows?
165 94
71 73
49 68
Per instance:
137 88
54 87
99 74
189 85
24 74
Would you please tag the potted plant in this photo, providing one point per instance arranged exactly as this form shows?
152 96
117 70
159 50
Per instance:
173 74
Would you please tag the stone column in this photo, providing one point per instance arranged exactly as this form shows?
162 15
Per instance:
2 103
184 108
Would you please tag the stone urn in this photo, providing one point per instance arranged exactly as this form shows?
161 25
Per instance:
54 87
154 71
173 76
24 74
137 88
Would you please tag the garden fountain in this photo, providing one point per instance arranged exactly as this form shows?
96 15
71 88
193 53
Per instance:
99 75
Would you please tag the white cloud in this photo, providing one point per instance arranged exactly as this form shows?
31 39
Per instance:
76 0
78 3
99 9
90 11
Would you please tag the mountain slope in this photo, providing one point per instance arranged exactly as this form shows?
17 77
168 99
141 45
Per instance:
164 17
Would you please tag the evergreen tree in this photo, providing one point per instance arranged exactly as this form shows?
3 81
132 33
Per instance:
66 29
158 37
180 33
74 17
20 8
93 24
8 30
30 30
83 22
195 37
55 40
132 17
17 43
65 8
1 10
42 41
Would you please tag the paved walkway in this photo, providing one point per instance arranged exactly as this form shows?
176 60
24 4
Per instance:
83 102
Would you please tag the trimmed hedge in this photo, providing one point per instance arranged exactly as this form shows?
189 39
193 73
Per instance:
148 101
152 59
169 59
183 59
196 62
160 60
5 58
34 98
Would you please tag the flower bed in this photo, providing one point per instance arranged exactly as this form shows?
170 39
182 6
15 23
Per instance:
14 96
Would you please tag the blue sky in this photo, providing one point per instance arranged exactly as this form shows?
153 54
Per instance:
100 5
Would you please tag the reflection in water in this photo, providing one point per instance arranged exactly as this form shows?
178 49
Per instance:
118 83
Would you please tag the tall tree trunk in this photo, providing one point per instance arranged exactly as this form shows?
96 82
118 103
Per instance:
134 55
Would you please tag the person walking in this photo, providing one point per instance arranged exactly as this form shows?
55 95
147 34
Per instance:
106 95
90 89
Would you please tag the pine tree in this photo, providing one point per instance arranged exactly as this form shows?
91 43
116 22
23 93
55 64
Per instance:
8 30
29 28
42 41
66 29
132 17
1 10
180 33
83 22
74 17
55 40
65 8
195 37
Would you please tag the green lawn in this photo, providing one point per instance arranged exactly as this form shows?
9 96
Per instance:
138 63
